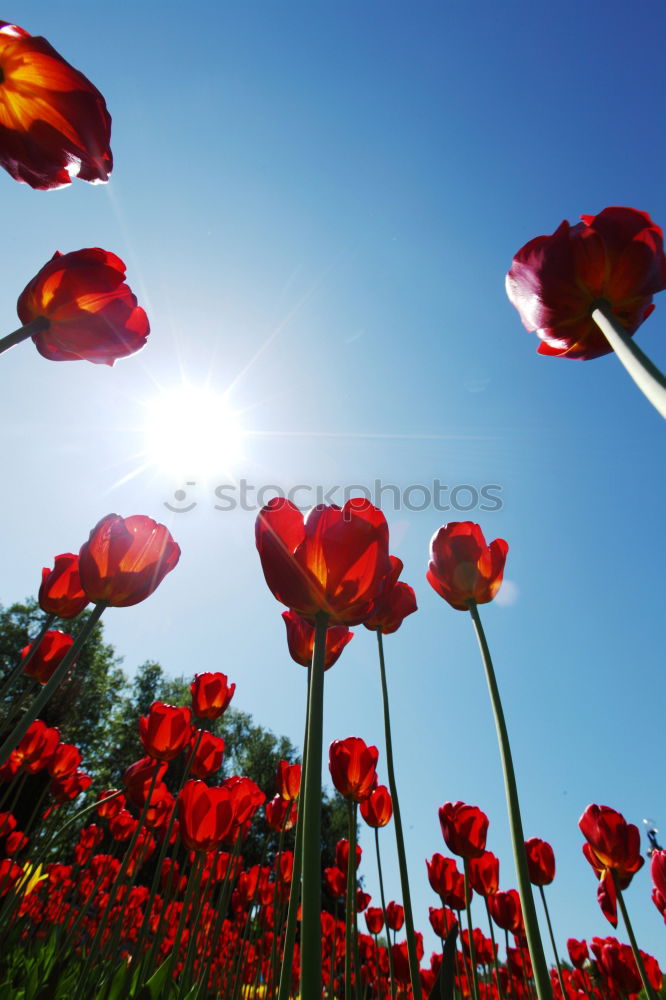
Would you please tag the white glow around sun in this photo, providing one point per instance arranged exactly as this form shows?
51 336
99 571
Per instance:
192 430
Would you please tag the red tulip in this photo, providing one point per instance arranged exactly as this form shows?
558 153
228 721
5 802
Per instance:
377 809
462 567
70 787
352 765
442 921
206 815
288 781
139 777
556 282
484 873
125 559
301 636
87 311
64 761
334 562
211 694
612 843
9 875
342 855
540 861
60 592
362 900
109 809
53 122
447 881
396 601
395 916
36 747
336 882
658 872
280 814
165 731
209 754
617 964
7 823
506 911
51 651
578 952
464 829
374 919
15 843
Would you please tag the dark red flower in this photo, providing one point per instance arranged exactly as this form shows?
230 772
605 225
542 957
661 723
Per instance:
484 873
377 809
442 921
464 829
556 282
462 567
506 911
208 755
211 694
125 559
617 964
50 653
64 760
53 122
396 601
336 882
165 731
362 900
110 804
288 781
139 777
353 767
395 916
280 814
334 562
342 855
88 311
70 787
447 881
540 861
301 636
612 843
60 592
578 952
206 815
36 747
658 872
374 919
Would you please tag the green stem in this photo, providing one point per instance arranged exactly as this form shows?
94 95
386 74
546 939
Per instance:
311 887
400 840
495 962
193 883
552 941
472 950
649 379
23 333
349 902
383 899
50 687
632 938
541 977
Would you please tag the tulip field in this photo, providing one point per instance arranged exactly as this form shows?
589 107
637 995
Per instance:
144 890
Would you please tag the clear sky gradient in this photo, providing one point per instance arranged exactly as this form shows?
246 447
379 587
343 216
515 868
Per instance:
317 204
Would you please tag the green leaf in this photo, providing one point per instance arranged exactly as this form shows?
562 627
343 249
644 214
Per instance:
443 986
152 990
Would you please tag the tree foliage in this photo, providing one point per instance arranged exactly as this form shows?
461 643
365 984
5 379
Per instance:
98 706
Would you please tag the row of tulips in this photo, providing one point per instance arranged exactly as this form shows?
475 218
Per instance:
332 570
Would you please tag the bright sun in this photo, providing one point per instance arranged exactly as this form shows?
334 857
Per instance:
191 430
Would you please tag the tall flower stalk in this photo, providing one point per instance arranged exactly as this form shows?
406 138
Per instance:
539 965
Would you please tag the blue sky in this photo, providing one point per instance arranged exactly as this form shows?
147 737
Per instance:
317 204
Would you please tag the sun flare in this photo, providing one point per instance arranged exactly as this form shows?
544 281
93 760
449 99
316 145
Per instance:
192 430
